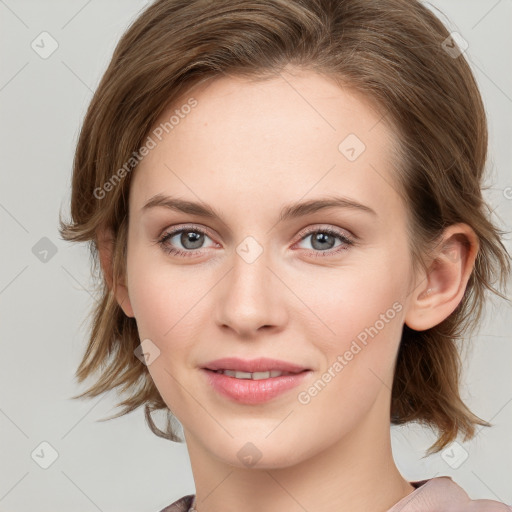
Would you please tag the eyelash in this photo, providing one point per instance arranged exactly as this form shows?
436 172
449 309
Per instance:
346 242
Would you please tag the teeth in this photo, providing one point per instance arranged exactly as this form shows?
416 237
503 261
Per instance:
253 376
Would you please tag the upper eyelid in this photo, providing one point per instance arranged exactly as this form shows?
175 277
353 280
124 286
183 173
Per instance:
340 231
174 231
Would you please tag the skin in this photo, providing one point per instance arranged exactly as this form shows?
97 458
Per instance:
247 149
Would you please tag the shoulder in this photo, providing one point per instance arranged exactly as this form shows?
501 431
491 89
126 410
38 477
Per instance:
182 505
442 493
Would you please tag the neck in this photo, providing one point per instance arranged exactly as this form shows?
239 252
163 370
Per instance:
356 474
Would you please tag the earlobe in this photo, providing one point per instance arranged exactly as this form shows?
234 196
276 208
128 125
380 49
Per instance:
105 244
442 288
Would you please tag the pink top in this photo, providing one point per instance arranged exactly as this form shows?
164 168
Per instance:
440 494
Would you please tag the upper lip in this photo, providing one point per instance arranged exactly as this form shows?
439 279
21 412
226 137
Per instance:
263 364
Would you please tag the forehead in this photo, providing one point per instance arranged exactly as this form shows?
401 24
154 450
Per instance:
265 142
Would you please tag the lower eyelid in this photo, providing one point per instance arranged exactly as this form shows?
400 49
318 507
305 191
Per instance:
345 243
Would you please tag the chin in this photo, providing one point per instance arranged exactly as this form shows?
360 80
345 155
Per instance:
250 453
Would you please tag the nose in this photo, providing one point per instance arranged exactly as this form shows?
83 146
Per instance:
251 297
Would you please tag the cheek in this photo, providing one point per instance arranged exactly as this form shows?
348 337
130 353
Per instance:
163 304
347 302
152 304
161 294
358 358
362 320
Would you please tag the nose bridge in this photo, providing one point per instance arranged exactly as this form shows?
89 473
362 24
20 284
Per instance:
250 293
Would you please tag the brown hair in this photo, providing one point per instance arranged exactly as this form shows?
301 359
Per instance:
394 52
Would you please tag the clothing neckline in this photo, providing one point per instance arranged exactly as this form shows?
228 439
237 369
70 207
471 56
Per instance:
436 493
418 487
189 500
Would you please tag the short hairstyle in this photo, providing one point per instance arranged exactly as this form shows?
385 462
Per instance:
399 56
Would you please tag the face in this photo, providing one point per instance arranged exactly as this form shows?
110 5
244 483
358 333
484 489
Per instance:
323 288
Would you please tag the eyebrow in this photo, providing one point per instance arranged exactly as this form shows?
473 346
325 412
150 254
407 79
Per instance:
290 211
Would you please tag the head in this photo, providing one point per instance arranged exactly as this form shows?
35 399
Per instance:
248 109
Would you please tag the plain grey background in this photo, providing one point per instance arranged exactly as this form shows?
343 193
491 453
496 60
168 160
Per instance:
45 296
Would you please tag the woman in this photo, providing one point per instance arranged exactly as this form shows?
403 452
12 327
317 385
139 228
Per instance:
285 199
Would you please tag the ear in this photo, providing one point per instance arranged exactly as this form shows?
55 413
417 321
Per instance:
105 242
442 288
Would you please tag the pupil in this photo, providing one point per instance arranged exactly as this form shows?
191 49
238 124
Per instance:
322 238
195 239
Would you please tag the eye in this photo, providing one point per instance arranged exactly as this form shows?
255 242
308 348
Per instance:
323 240
191 238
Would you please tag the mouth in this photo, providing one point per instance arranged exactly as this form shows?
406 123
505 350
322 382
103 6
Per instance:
255 375
256 369
253 388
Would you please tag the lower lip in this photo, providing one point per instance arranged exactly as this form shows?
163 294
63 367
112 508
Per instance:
249 391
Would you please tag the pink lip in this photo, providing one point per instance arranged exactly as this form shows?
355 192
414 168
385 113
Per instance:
263 364
249 391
